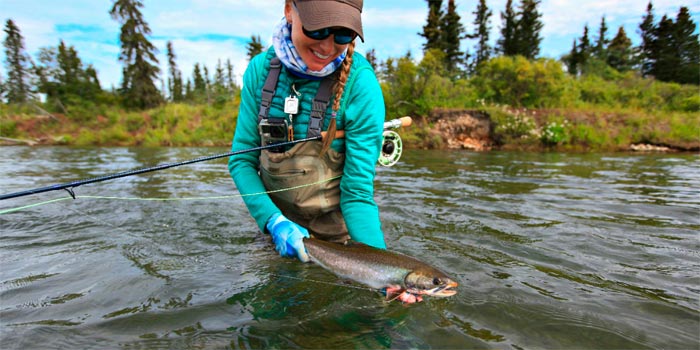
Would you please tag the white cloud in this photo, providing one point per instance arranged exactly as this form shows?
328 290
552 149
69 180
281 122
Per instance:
393 18
205 53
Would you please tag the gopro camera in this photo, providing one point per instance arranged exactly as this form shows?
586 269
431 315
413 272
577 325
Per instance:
273 133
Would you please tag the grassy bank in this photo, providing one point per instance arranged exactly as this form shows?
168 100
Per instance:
575 129
531 105
169 125
571 129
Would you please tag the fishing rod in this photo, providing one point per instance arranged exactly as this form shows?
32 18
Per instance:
68 186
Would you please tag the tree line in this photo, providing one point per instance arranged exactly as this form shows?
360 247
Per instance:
60 74
597 72
443 31
669 51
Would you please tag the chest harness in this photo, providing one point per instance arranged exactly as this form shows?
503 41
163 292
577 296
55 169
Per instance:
315 206
276 130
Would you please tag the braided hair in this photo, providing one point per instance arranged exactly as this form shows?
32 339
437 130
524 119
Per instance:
338 89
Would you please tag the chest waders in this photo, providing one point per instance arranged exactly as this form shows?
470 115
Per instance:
316 207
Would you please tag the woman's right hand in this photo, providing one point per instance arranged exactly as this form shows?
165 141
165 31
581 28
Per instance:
288 237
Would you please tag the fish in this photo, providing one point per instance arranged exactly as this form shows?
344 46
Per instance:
397 274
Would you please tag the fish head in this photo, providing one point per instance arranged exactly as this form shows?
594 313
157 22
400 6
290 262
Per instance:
430 282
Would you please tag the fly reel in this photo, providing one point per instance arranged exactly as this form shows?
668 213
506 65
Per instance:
392 147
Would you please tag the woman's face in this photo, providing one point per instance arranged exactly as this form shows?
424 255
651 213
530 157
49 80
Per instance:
315 53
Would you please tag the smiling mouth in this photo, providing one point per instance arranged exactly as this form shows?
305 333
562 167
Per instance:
323 57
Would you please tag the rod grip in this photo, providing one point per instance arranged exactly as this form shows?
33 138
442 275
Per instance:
397 123
392 124
406 121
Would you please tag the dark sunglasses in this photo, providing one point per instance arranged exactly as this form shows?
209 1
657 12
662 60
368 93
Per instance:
341 36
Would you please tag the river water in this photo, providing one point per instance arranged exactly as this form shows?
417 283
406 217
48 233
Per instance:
552 251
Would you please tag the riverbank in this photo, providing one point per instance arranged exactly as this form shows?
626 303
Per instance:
487 128
579 130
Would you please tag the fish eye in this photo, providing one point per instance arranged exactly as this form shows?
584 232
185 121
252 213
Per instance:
437 281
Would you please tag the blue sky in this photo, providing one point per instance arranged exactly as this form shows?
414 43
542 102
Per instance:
206 31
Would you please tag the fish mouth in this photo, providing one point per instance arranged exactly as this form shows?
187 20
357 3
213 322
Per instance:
443 291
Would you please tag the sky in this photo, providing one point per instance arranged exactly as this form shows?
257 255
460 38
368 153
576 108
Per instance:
206 31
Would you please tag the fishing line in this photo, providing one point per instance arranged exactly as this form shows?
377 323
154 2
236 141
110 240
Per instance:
70 185
5 211
323 282
391 150
145 199
383 291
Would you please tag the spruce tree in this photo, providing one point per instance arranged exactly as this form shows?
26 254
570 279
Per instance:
63 77
46 72
70 69
571 59
529 27
432 31
17 89
506 44
189 94
92 80
584 48
2 87
482 16
254 46
670 50
371 56
174 75
219 79
647 50
199 88
207 84
452 33
688 48
230 83
620 54
601 42
667 64
138 55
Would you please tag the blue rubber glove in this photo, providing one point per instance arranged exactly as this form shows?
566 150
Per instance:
288 237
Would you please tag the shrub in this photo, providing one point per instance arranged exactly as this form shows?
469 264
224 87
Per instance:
555 133
134 122
511 124
589 135
516 81
86 137
690 104
8 128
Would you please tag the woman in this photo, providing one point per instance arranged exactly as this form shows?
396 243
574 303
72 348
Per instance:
325 188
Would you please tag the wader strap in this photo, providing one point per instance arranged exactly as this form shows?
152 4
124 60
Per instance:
268 90
319 105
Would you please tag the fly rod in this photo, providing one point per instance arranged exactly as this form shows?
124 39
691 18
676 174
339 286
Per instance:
68 186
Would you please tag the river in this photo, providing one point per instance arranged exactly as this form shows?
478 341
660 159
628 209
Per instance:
551 251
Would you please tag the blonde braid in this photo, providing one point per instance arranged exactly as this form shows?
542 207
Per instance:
339 88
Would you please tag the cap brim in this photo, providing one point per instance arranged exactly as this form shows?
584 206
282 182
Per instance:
317 15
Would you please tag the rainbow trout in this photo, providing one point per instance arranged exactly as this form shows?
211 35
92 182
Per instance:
381 269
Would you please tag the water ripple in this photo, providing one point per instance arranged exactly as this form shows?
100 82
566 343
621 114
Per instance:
550 250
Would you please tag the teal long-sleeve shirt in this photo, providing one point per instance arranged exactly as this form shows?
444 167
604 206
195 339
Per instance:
361 115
